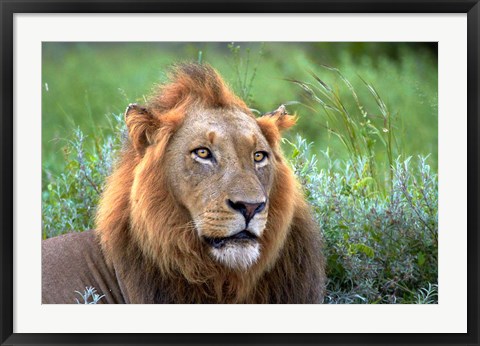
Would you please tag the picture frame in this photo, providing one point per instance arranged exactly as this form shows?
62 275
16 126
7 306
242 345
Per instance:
10 8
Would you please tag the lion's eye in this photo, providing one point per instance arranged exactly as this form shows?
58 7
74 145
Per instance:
259 156
203 153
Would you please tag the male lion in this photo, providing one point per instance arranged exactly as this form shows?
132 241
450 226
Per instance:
201 208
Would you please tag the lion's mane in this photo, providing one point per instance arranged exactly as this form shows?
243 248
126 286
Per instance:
170 265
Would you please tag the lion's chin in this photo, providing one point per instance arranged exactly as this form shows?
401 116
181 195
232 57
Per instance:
238 254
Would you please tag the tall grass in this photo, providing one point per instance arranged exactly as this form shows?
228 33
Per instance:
357 128
245 67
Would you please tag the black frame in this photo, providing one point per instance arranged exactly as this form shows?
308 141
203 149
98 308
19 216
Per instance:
9 7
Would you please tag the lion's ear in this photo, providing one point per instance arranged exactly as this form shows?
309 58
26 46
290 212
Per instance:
141 125
272 123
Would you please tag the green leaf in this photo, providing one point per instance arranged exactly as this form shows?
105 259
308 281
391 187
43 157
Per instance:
91 158
367 250
72 166
364 183
421 259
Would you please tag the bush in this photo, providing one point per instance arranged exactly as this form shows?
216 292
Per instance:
69 203
89 296
379 249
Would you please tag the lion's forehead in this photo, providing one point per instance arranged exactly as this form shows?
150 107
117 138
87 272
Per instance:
225 124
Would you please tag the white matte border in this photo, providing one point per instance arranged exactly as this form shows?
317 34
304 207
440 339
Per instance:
449 316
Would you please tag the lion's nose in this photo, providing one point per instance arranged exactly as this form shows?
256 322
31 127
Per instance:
248 210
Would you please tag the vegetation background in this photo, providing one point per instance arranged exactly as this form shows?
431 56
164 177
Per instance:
365 147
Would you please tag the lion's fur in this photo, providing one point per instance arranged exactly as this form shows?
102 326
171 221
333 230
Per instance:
148 237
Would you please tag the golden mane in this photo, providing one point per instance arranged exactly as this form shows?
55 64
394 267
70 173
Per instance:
191 84
150 242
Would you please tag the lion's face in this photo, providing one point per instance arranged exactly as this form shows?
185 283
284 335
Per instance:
220 168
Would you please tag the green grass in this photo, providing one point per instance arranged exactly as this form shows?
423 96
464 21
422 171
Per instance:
365 147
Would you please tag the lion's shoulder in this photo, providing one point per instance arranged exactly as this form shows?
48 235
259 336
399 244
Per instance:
72 262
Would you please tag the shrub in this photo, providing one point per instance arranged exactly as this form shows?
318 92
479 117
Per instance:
87 294
379 249
70 200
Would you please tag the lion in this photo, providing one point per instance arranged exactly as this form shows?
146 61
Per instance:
201 207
